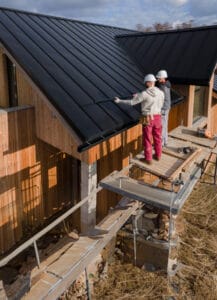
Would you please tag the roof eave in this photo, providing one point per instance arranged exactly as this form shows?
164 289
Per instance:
87 145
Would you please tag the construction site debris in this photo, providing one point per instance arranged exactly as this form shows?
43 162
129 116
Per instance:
8 275
74 235
196 271
151 223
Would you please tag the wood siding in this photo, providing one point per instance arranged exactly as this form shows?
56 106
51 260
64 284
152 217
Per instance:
178 115
115 156
214 116
214 113
182 113
37 180
3 81
49 125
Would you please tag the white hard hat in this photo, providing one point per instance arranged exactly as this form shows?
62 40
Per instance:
149 77
162 74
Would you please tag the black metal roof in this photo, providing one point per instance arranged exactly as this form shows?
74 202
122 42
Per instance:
189 55
79 66
215 83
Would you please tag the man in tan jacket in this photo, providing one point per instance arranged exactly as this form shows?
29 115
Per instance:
151 99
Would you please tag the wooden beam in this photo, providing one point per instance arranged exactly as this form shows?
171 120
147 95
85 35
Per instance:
3 81
209 104
190 112
73 262
88 183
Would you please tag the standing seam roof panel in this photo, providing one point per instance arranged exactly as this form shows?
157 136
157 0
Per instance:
118 64
191 53
182 45
70 71
154 54
71 85
86 128
108 72
82 68
104 39
114 111
109 46
50 62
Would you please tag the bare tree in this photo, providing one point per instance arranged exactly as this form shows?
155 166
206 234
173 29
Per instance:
184 25
164 26
140 27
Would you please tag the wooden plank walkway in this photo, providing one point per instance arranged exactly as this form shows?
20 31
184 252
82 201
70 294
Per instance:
214 151
165 168
64 271
182 169
190 135
172 162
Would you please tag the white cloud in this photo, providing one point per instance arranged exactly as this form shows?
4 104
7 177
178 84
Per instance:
123 13
177 2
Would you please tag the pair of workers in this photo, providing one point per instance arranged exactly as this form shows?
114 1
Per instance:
155 105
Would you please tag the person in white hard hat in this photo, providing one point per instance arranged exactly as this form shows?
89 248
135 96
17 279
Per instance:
165 86
151 99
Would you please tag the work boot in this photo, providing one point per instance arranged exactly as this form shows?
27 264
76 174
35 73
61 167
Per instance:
148 162
156 157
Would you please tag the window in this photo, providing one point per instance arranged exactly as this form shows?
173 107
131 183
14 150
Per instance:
12 83
199 102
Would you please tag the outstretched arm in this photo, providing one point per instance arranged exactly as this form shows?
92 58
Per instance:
138 98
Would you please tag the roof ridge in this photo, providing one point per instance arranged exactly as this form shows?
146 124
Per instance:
62 18
197 28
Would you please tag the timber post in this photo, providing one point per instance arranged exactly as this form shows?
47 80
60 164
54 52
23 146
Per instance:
209 94
88 184
191 92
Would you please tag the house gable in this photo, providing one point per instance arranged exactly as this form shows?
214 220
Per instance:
78 66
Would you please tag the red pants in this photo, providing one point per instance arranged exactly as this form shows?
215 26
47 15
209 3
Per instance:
153 131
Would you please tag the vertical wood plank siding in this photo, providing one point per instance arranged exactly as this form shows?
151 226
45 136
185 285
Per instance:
116 157
36 179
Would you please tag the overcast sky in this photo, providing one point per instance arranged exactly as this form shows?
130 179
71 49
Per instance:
124 13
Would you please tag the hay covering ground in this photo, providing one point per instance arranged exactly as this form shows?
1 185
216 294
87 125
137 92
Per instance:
197 256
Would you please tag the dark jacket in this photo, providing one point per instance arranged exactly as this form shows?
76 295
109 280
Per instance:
165 87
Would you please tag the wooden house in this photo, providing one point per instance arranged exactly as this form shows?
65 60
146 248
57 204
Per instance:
189 56
60 131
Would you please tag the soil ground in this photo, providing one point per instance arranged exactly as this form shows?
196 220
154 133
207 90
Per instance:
196 278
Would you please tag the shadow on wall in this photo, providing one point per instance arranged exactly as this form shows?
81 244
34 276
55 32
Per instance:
37 181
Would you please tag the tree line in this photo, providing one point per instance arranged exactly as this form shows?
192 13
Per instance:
165 26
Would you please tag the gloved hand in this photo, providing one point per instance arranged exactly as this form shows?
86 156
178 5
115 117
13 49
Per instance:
117 100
